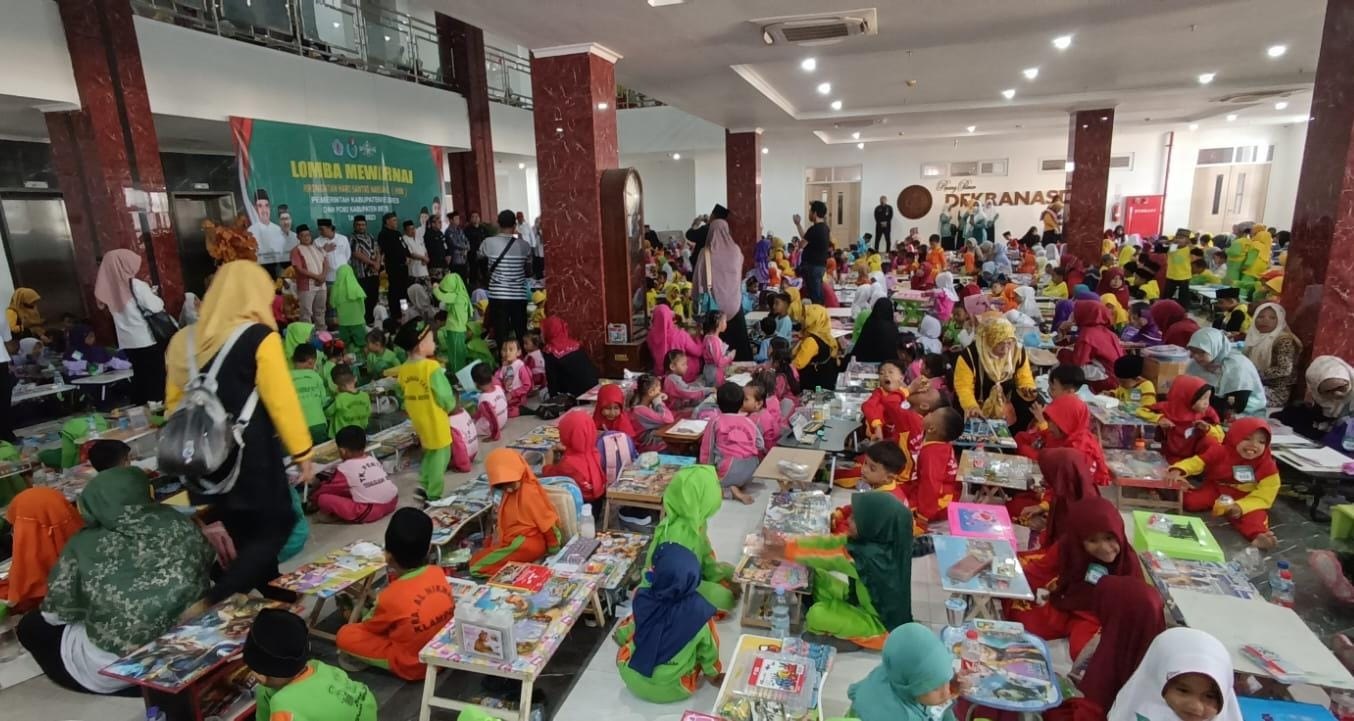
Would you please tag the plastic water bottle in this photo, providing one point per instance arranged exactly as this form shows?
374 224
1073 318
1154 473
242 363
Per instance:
93 428
1347 442
587 526
780 615
155 714
1248 563
970 656
1283 595
1274 573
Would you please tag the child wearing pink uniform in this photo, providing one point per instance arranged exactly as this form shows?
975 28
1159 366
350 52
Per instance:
649 412
492 412
535 359
682 396
465 441
359 492
732 442
715 353
765 415
513 376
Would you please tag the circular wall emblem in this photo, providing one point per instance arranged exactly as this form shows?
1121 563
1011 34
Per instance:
914 202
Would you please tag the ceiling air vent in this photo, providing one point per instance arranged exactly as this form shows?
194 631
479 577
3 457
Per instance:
1256 96
811 30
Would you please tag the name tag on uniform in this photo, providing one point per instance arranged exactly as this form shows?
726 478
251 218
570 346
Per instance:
1243 474
1189 432
1095 572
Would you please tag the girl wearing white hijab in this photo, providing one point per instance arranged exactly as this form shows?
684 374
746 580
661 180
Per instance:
1185 676
1027 306
1054 257
928 335
945 284
1330 380
867 294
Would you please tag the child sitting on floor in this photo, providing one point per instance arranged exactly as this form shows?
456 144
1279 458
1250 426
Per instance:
670 640
428 398
410 611
359 492
1057 287
535 359
914 679
513 375
465 440
715 353
691 499
682 396
292 687
334 355
311 390
1241 480
527 526
609 413
933 485
768 328
1134 392
350 407
492 412
763 407
881 469
576 456
732 443
649 412
1185 419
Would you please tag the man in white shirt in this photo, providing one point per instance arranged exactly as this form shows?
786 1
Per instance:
418 253
337 250
284 222
266 232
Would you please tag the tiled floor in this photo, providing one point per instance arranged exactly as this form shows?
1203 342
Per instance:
598 693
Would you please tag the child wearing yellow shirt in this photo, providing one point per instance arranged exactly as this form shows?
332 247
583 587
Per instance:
1134 392
1178 269
1147 288
428 399
1202 275
1058 287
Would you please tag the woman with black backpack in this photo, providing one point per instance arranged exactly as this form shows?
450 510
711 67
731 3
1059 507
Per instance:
248 521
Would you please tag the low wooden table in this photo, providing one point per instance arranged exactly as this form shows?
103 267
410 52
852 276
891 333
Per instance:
641 487
769 468
681 443
335 572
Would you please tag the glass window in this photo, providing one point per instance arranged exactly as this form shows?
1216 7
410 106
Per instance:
932 170
964 168
1217 193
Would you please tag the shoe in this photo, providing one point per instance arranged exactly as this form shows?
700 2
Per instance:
350 664
421 494
923 546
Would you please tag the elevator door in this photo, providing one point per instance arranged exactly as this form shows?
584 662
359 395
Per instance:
38 242
189 212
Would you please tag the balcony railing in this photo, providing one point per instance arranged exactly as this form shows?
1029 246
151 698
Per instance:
368 38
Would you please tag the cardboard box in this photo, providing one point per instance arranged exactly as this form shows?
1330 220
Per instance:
1163 373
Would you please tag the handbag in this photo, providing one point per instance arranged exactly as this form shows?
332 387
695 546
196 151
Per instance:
499 259
162 325
705 302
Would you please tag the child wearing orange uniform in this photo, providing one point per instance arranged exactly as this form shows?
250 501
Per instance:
528 527
411 610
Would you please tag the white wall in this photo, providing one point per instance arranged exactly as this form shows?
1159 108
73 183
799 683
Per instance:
33 58
669 189
1283 175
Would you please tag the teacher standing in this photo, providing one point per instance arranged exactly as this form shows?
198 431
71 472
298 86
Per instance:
720 273
126 297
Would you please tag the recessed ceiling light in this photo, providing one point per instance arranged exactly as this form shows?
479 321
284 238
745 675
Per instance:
1281 105
521 166
855 135
1031 73
836 105
860 146
824 88
1193 126
1206 78
1231 117
661 3
808 64
1275 51
765 150
1062 42
971 128
676 156
1008 93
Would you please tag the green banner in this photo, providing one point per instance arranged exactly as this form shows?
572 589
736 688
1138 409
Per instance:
295 174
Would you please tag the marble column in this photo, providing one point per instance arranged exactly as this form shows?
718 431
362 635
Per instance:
461 47
574 91
1089 135
108 156
743 188
1320 303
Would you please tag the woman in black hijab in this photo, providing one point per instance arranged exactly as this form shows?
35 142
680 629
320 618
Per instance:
878 339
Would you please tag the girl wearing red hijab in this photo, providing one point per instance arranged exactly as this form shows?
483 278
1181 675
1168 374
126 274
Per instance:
924 278
1097 346
1132 615
1185 418
1067 479
1241 469
1174 322
1067 424
1074 270
1112 281
1092 546
610 415
579 458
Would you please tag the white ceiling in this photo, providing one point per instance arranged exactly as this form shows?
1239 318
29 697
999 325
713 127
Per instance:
1140 56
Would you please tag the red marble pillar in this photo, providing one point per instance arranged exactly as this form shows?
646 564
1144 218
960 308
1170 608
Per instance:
112 146
1320 303
743 189
461 48
574 91
1088 149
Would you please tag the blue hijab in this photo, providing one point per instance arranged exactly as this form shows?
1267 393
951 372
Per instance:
1084 292
669 612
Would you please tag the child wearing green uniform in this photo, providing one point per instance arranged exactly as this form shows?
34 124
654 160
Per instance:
875 557
378 358
451 341
670 640
350 407
690 501
476 347
297 334
73 435
293 688
912 681
428 399
349 303
311 390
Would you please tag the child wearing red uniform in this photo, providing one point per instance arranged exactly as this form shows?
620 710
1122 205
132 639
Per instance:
609 413
894 411
411 610
933 485
1062 380
1185 418
1241 469
576 455
882 470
